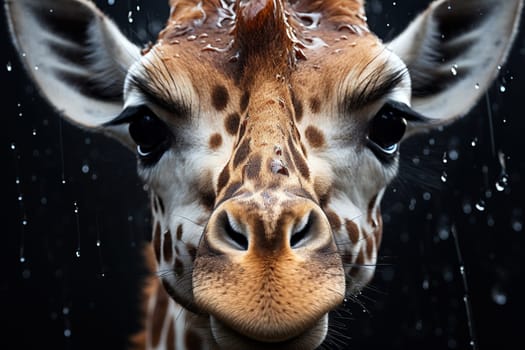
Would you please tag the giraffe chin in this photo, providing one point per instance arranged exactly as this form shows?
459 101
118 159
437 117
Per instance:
227 338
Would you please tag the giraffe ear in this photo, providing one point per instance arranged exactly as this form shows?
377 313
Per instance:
453 50
76 55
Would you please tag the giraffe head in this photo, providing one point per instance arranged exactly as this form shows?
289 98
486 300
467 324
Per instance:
266 132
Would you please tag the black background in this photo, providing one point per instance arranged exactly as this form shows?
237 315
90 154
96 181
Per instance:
54 299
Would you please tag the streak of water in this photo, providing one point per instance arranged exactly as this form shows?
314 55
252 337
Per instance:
466 297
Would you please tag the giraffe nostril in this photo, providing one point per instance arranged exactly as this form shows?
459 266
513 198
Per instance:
233 233
301 233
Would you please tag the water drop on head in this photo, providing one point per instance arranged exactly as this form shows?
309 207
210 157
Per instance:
502 182
454 70
480 205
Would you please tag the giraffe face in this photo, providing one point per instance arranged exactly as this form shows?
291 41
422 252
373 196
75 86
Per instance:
266 132
266 191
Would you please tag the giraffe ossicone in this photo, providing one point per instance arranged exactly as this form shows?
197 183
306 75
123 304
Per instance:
267 132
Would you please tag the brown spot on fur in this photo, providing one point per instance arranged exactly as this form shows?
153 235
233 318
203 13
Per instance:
179 232
352 230
219 97
298 160
370 245
315 104
167 247
156 241
231 124
314 136
215 141
245 98
224 176
298 107
206 190
159 314
192 340
253 167
378 232
242 129
170 340
358 264
231 189
242 153
333 219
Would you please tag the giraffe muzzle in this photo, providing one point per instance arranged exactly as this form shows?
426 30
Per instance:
267 268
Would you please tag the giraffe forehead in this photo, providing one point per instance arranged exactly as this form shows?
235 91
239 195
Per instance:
329 71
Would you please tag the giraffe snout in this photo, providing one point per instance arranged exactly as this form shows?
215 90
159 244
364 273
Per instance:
267 267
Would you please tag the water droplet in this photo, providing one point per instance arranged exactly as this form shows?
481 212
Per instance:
517 226
454 70
480 205
22 259
444 177
85 168
444 159
77 253
427 196
502 89
425 284
36 67
443 234
467 208
474 142
9 66
67 333
98 243
13 146
502 182
111 2
130 16
34 132
476 86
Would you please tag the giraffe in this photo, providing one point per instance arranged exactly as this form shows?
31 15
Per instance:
266 132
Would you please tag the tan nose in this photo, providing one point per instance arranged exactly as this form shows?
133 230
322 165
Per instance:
268 268
242 225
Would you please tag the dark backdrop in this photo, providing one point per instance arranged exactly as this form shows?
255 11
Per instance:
76 214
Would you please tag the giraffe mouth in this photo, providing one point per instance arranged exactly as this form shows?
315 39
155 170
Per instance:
228 338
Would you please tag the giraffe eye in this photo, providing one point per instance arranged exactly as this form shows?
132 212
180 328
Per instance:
386 131
150 134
